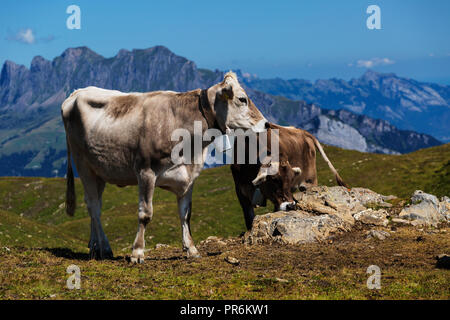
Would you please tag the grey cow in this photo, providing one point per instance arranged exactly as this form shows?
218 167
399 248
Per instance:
125 139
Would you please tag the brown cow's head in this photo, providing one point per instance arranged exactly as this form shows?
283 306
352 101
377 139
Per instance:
277 180
232 107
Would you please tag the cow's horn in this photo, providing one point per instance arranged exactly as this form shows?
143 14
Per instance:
259 179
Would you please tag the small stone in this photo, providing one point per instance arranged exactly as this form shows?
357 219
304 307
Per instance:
400 221
281 280
377 234
161 245
418 223
443 261
374 217
232 260
212 238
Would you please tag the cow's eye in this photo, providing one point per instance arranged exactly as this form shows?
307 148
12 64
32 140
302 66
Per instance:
243 100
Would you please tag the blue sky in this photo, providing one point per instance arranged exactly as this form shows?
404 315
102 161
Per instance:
290 39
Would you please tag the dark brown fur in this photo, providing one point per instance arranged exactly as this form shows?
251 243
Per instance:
297 148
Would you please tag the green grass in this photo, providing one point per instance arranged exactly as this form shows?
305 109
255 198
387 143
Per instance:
400 175
216 210
32 216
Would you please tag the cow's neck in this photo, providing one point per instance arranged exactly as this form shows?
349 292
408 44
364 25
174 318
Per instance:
207 111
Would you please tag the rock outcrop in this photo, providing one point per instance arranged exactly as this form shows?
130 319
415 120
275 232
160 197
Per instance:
323 213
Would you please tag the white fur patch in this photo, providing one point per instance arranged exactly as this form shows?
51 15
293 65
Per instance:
260 126
284 205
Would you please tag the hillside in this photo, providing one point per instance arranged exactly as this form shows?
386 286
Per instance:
38 241
41 200
32 141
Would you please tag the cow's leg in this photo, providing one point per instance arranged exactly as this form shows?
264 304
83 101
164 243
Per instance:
247 208
245 199
184 209
146 180
93 188
246 203
93 237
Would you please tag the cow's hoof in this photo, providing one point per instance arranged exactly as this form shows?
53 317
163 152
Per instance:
137 256
193 254
100 254
137 260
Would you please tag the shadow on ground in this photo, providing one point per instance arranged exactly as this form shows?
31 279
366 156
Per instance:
70 254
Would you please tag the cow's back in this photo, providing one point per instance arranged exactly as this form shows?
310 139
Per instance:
100 137
114 131
297 146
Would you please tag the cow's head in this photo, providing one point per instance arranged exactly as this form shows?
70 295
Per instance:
233 108
277 180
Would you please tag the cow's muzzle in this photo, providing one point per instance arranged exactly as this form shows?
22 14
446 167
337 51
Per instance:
260 126
287 206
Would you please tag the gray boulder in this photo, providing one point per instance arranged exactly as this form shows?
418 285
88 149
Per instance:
295 227
426 209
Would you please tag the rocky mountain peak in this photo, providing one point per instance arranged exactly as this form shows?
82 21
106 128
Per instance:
31 98
38 64
9 75
73 55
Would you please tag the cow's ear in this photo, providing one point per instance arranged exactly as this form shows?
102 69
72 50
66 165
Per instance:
226 92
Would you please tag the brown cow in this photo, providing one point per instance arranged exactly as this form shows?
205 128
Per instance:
296 168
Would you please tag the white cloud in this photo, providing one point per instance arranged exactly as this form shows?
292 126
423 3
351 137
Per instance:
374 62
25 36
28 36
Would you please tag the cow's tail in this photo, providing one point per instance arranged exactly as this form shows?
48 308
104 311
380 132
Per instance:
70 192
330 165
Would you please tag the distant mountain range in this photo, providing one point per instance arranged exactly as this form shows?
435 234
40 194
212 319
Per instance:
32 140
405 103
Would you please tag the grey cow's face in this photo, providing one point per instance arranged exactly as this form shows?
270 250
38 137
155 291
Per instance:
234 110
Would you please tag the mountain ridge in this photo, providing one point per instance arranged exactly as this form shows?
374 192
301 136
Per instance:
406 103
32 136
